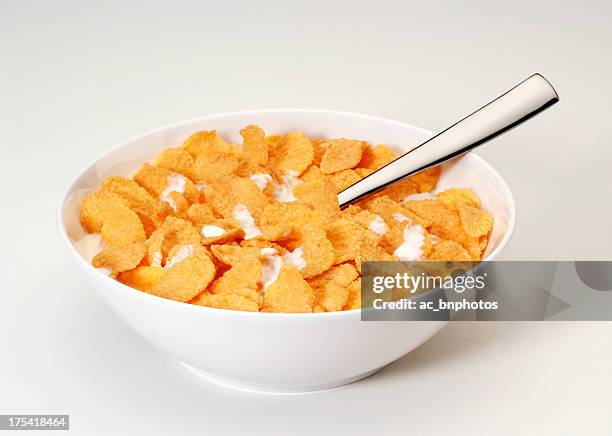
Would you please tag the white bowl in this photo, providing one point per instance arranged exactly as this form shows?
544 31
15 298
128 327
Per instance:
274 352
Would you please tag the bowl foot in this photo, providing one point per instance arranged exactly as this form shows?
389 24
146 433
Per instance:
274 389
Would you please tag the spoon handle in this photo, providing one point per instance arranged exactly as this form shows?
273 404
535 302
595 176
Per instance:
510 109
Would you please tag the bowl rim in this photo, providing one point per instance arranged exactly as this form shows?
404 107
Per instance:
154 299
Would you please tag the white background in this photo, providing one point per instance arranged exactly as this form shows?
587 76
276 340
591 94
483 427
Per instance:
79 78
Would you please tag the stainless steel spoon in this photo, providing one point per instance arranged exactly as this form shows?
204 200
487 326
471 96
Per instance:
510 109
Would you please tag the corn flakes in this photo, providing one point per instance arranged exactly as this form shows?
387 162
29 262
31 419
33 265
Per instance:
226 301
228 192
120 258
257 226
254 147
341 154
354 295
293 152
186 275
319 195
143 278
288 293
330 288
377 157
345 178
177 160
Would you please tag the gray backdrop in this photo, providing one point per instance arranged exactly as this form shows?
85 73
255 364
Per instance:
77 78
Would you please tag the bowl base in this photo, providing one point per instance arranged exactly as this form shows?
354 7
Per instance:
274 389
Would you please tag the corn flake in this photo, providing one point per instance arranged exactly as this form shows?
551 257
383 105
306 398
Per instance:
226 301
474 221
293 152
344 179
177 160
289 293
319 195
449 250
354 295
143 278
345 236
234 254
377 157
226 193
207 141
455 197
120 258
186 278
330 288
341 154
254 147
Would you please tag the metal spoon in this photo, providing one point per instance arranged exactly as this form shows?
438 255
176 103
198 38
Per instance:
507 111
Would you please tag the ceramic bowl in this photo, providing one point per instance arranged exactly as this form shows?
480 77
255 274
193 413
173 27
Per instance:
274 352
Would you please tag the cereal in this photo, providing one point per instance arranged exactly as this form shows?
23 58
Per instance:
341 154
318 250
120 258
200 214
370 249
411 246
209 166
426 180
207 141
351 210
243 275
108 214
312 173
377 157
186 277
392 221
228 192
293 152
234 254
226 301
143 278
449 250
298 225
254 147
318 147
177 160
283 191
444 221
344 179
177 231
257 226
354 295
161 183
474 221
278 221
288 293
99 207
364 172
446 224
400 190
364 218
262 180
330 288
457 196
406 214
384 206
345 236
221 231
320 195
137 198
